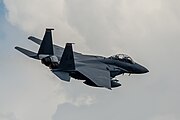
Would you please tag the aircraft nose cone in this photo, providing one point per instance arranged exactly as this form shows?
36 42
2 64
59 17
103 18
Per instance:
144 70
141 69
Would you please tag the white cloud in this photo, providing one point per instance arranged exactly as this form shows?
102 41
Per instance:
34 93
33 16
147 30
8 116
84 100
28 89
30 15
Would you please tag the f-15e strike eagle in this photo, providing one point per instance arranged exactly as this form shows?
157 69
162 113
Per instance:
96 71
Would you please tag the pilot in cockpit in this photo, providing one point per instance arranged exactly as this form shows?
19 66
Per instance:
122 57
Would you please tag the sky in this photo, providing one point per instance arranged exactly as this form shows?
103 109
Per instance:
148 31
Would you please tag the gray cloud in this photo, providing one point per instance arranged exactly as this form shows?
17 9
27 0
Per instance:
9 116
146 30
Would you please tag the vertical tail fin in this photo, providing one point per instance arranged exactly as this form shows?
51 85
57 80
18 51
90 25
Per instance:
67 59
46 46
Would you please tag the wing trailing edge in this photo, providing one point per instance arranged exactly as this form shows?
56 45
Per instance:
100 77
62 75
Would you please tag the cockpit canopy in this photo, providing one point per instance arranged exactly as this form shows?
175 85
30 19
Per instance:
122 57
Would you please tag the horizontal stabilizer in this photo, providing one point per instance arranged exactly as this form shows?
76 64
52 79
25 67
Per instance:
34 39
27 52
62 75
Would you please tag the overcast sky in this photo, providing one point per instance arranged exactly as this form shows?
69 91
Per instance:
147 30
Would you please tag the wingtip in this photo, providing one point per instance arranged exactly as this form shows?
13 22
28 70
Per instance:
16 47
109 88
29 37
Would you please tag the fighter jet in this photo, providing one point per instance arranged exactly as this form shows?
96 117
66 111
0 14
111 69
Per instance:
96 71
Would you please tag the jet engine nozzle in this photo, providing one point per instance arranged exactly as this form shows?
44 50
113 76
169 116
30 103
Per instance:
50 61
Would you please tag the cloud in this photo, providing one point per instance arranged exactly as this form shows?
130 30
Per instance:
165 117
117 24
146 30
33 19
26 14
9 116
71 112
26 86
83 100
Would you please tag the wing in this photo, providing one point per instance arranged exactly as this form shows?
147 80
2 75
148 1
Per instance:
99 76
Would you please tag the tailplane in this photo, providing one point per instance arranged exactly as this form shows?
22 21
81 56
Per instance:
29 53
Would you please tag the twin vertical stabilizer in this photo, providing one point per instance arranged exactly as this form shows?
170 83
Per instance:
67 59
46 47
